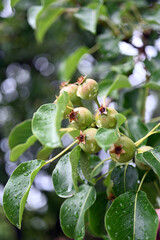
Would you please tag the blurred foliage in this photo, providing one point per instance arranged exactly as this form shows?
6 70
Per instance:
31 71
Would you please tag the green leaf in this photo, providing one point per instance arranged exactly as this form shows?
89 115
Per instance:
74 160
124 68
154 82
137 129
109 44
104 87
88 16
96 215
46 122
124 179
120 119
46 17
14 2
94 161
87 164
65 175
121 81
18 150
151 158
68 67
44 153
17 189
20 134
131 216
73 210
32 15
106 137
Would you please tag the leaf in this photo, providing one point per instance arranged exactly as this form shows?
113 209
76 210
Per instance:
88 16
96 215
103 87
73 210
87 164
94 161
124 68
120 119
46 17
18 150
17 189
32 15
14 2
20 134
154 82
131 216
44 153
106 137
120 82
151 158
46 122
109 44
124 179
137 128
65 175
68 67
74 160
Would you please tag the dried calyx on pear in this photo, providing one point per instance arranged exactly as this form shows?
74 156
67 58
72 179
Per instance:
123 150
87 141
80 118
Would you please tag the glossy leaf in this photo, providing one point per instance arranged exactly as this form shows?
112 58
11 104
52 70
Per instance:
47 122
65 175
131 216
73 210
88 16
96 215
68 67
105 137
120 82
44 153
17 189
94 161
20 134
18 150
87 164
137 128
124 179
46 17
151 158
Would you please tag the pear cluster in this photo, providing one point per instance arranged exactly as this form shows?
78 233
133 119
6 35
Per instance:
83 119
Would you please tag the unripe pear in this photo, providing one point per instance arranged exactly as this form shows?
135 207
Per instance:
87 141
72 91
80 118
87 89
123 150
106 117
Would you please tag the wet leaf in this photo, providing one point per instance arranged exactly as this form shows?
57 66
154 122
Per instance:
131 216
73 210
17 189
46 122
